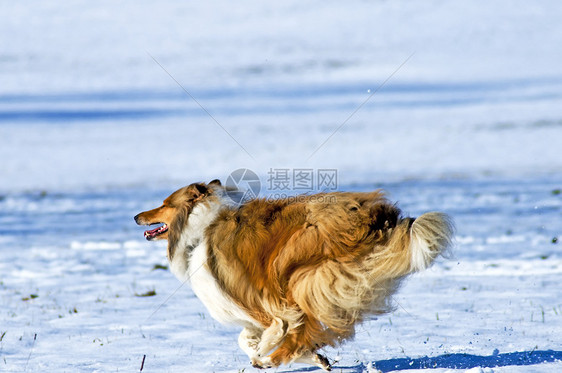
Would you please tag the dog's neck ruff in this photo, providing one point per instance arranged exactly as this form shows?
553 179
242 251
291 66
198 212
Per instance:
193 235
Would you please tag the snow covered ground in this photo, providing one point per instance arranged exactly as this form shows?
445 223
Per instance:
497 302
94 130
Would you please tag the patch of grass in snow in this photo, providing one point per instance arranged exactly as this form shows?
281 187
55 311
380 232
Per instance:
149 293
542 315
31 296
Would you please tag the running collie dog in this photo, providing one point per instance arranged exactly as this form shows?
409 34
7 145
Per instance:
297 274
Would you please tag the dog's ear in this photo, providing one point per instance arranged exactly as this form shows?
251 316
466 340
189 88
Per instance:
197 191
216 182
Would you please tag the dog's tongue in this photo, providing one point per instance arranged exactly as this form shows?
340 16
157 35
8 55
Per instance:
150 234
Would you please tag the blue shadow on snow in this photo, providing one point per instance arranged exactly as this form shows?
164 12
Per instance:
467 361
453 361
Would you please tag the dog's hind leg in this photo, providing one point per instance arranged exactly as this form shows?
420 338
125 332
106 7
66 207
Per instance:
314 358
272 336
300 345
249 340
270 339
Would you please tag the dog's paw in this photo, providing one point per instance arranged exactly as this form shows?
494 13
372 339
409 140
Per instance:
264 363
322 362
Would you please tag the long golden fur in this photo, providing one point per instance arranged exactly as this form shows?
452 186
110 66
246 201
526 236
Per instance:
305 270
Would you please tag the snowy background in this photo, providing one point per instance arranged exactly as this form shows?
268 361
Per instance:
97 124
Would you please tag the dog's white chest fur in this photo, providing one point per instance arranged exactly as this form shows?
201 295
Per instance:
205 287
203 283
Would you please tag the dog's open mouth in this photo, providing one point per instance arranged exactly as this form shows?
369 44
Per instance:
153 233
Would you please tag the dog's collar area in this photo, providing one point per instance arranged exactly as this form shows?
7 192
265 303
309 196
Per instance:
153 233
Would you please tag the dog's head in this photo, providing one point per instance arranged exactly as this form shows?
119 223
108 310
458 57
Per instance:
176 207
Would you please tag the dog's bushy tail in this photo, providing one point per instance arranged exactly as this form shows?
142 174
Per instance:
412 246
431 235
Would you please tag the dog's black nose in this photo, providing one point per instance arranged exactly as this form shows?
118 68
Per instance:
137 218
